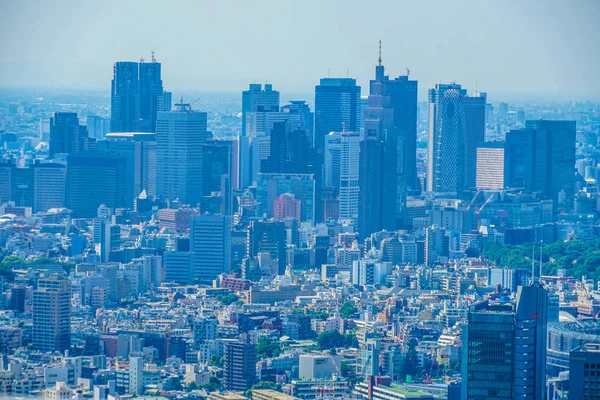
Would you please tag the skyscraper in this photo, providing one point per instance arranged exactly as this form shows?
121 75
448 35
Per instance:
456 126
49 180
107 237
270 186
584 378
217 160
270 237
52 314
95 177
491 166
97 126
256 98
436 244
210 243
550 161
388 164
337 108
136 96
342 156
139 150
239 365
66 135
504 347
180 135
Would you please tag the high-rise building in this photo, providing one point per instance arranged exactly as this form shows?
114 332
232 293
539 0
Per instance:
342 155
436 244
48 185
287 206
337 108
491 166
139 150
370 358
95 177
136 96
239 365
270 237
256 98
210 243
217 160
299 112
270 186
550 161
488 352
180 135
204 329
456 126
52 315
584 372
504 347
107 237
388 165
97 126
136 375
66 135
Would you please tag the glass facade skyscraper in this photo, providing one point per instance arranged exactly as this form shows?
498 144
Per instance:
337 108
136 96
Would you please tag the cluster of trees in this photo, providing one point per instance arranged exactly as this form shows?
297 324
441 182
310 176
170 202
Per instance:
577 257
329 340
265 348
347 310
213 385
227 299
9 263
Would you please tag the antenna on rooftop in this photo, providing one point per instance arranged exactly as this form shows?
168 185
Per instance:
532 264
153 59
379 59
142 58
407 72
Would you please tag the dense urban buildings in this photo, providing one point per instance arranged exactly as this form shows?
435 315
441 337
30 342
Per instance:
383 246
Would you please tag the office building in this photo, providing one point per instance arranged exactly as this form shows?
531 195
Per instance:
49 181
97 126
456 126
210 243
270 237
531 323
488 352
550 161
504 347
93 178
217 160
136 375
287 206
255 98
299 113
180 135
52 315
370 358
337 108
342 156
107 238
139 150
66 135
437 244
204 329
270 186
491 166
388 152
136 96
239 365
584 372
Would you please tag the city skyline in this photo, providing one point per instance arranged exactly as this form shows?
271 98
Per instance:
479 53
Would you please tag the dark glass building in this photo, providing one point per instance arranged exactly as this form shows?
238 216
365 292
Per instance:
268 236
66 135
256 98
137 96
239 365
95 177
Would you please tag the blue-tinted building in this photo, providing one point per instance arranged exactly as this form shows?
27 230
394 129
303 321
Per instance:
337 108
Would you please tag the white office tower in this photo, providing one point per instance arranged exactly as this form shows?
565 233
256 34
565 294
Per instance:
342 170
180 135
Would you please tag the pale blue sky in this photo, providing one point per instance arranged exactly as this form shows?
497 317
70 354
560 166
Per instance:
532 46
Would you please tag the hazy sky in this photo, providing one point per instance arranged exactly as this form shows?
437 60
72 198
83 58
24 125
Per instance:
531 46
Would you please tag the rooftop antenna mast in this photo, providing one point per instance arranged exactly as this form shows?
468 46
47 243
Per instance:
541 248
153 59
532 265
142 58
379 59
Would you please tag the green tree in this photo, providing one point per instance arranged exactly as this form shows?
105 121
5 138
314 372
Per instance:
227 299
347 310
266 348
